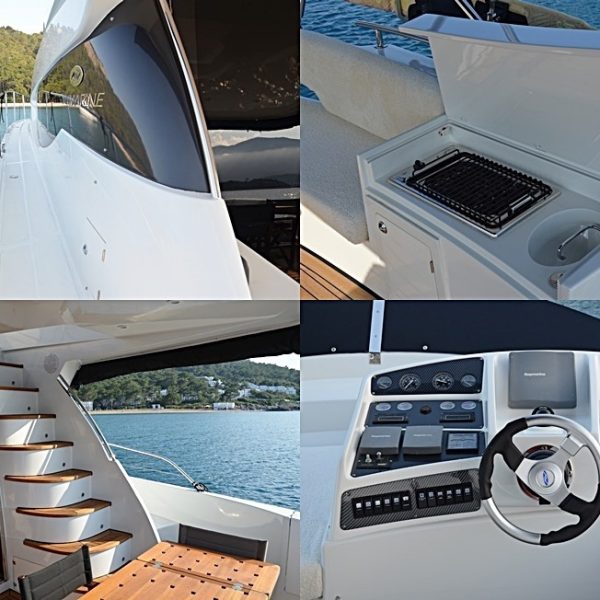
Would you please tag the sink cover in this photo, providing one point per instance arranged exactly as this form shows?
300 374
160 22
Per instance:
550 233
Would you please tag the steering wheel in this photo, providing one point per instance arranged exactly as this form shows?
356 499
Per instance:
545 477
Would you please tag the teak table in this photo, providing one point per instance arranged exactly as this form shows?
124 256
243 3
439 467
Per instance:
170 570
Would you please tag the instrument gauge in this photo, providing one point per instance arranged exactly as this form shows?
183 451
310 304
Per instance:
384 383
442 382
468 405
468 381
410 382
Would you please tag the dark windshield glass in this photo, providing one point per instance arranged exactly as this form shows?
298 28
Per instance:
245 59
122 93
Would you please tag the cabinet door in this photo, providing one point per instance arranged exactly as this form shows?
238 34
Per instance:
409 261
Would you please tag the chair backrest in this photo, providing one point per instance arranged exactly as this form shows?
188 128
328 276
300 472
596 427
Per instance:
222 542
59 579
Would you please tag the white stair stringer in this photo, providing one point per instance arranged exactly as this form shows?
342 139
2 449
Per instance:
48 504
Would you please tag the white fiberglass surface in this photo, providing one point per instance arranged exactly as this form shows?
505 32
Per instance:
449 545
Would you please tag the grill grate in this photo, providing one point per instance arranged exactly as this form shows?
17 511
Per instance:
485 192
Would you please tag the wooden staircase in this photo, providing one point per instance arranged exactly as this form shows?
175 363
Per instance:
49 507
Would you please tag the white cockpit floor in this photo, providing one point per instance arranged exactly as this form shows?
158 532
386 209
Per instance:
33 260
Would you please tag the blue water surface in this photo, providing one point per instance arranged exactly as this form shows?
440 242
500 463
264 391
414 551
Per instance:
250 455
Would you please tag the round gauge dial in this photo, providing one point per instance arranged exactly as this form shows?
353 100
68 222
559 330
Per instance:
468 380
468 405
410 382
447 405
404 406
384 383
383 406
442 381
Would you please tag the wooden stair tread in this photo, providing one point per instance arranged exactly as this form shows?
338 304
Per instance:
37 446
32 416
59 477
16 388
106 540
79 509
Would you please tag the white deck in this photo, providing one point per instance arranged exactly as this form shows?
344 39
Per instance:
33 261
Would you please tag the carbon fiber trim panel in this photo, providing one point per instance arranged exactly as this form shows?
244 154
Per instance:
348 521
388 384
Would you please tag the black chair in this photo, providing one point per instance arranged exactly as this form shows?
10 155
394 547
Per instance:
223 543
59 579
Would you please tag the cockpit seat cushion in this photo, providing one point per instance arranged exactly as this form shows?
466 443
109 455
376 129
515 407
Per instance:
329 181
318 477
380 95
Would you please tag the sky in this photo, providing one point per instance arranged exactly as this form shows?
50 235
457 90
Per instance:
25 15
285 360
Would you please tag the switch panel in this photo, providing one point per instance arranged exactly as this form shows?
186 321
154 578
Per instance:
416 498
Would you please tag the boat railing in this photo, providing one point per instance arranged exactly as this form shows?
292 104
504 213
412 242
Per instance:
464 5
199 487
86 415
15 102
381 29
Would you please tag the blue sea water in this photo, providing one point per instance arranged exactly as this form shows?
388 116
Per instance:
250 455
10 114
337 18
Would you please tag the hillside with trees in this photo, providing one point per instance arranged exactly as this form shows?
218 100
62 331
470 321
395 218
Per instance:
199 387
17 59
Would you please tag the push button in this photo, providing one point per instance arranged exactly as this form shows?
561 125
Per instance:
387 504
406 503
359 508
396 503
449 496
440 497
368 506
431 499
421 500
377 505
468 492
458 495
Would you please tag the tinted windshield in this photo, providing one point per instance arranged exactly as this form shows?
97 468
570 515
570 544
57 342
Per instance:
123 94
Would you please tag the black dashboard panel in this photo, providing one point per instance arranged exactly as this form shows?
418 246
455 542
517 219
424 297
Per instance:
419 497
459 413
455 445
462 376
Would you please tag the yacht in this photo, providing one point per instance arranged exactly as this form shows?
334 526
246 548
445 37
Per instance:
126 180
61 485
449 450
462 165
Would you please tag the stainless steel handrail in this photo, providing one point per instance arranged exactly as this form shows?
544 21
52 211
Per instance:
381 29
199 487
86 415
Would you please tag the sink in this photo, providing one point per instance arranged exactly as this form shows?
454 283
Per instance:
554 230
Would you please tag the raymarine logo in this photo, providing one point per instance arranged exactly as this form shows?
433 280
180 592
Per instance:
380 436
422 434
539 374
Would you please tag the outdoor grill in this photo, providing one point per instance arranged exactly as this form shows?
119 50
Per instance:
484 192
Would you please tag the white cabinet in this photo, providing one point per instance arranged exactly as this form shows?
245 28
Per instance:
410 254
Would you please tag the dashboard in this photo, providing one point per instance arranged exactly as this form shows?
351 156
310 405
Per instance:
420 430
